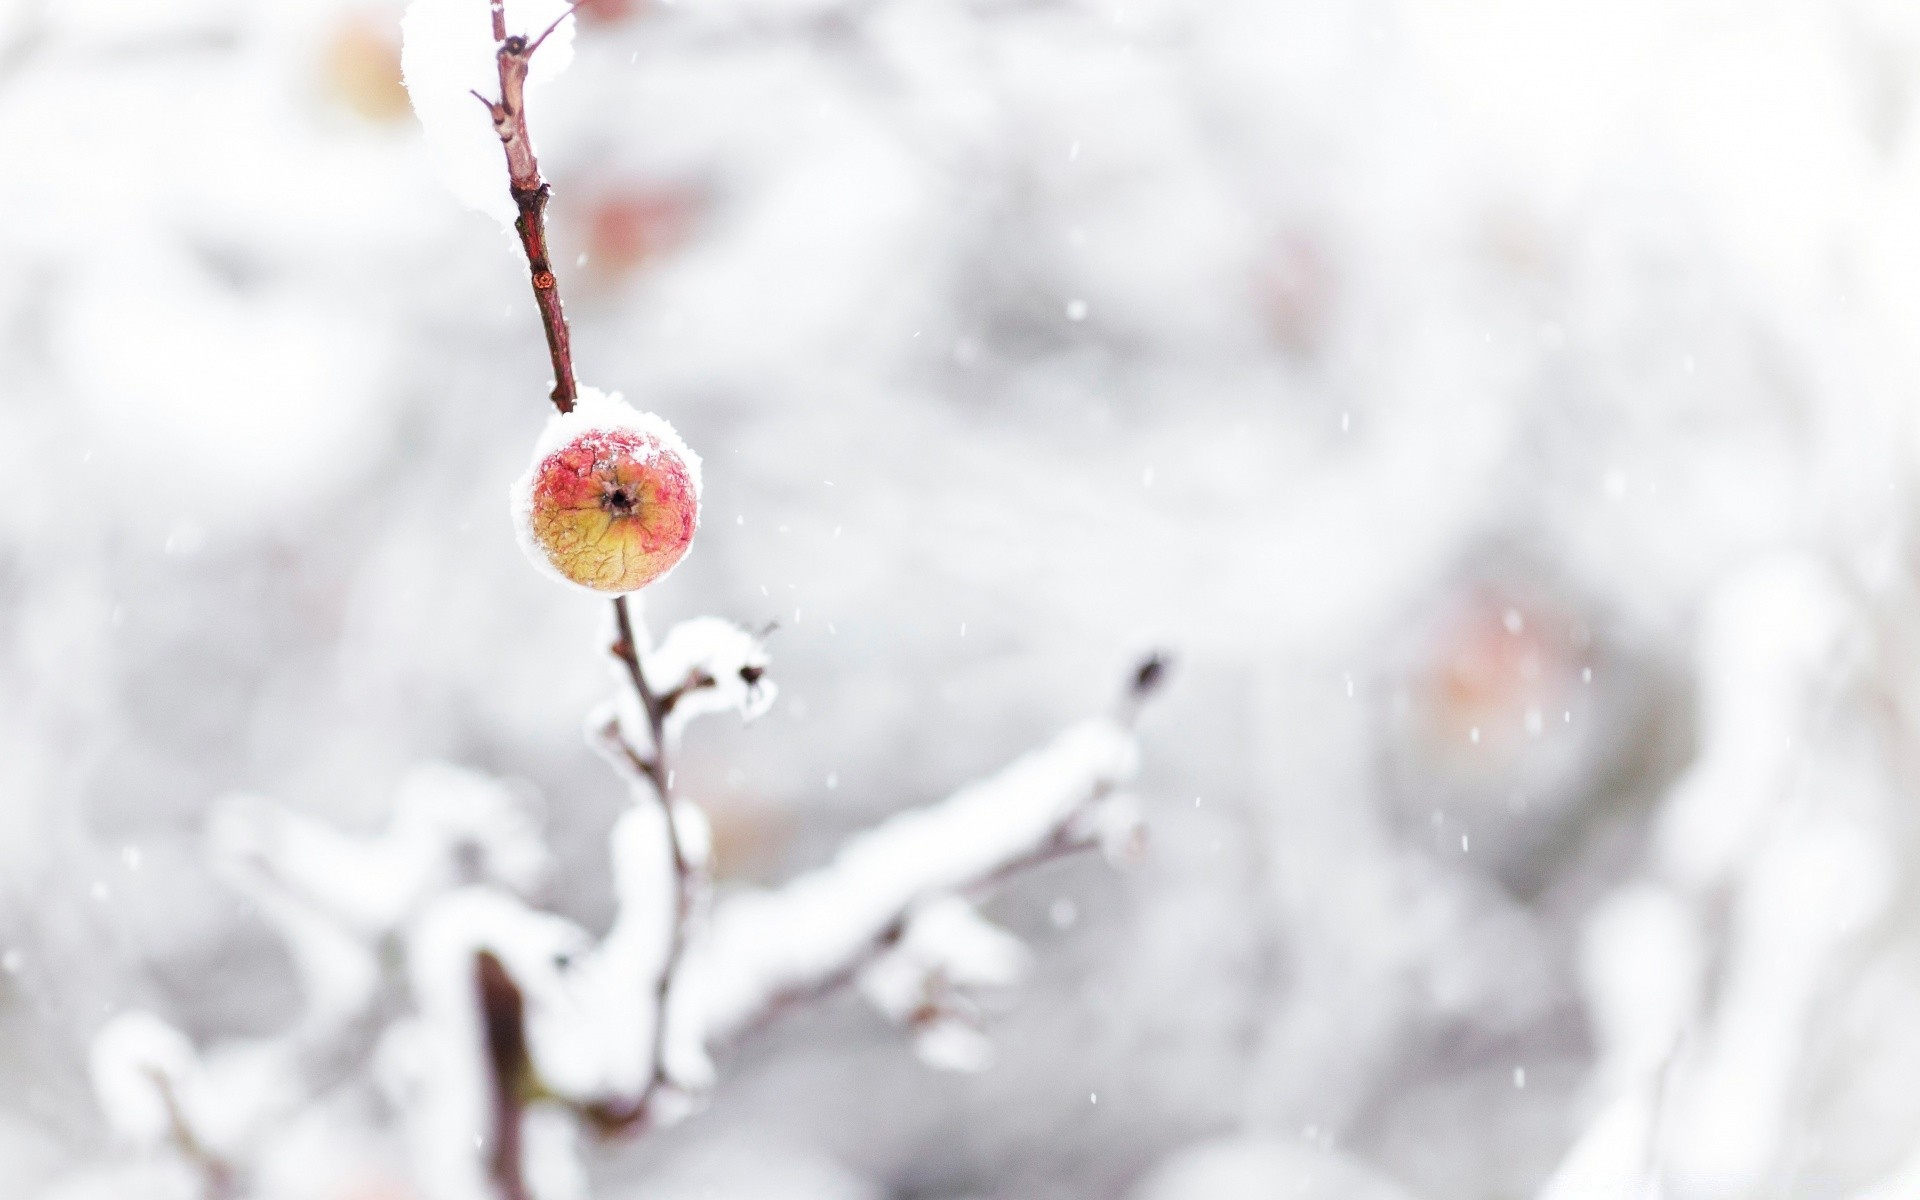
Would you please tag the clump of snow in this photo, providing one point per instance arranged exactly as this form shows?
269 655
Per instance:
1803 894
594 410
946 952
595 1037
449 826
715 649
447 54
763 945
1643 968
947 936
140 1065
1118 824
708 665
551 1137
1766 842
694 831
1772 641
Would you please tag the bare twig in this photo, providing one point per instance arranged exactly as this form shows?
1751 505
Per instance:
530 193
657 708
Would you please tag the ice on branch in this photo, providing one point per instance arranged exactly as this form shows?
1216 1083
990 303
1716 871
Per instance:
448 54
611 500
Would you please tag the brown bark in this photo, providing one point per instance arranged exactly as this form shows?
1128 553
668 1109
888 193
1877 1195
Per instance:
530 194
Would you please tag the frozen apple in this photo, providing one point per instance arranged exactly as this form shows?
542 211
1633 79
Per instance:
612 498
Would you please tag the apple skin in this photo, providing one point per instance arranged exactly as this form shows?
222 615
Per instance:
612 500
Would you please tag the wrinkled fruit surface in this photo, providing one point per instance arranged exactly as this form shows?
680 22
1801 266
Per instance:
613 509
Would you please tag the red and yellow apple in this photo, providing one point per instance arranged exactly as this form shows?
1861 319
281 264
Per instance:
612 499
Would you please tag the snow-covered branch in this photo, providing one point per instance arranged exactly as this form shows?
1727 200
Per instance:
887 888
497 1031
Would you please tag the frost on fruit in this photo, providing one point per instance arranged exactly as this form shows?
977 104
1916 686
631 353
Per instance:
612 498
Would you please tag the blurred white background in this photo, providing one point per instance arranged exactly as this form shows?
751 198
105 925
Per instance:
1502 409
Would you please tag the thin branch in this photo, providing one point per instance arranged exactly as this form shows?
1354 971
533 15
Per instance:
530 193
548 31
658 708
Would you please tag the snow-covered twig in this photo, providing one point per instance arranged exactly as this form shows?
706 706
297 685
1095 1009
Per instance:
899 885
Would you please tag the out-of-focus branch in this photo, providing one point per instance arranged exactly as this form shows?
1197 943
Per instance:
503 1020
216 1172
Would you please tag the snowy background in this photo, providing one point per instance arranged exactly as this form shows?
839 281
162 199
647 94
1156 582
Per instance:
1500 408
